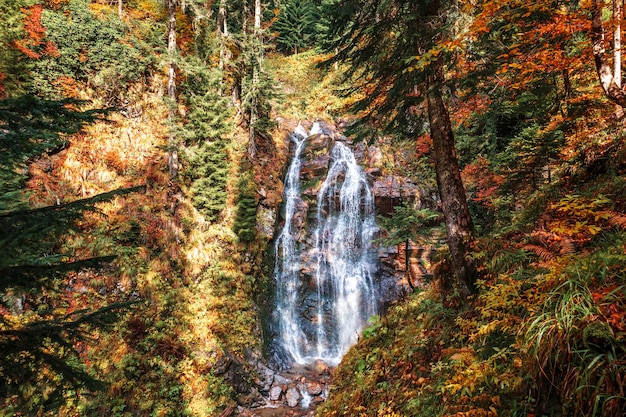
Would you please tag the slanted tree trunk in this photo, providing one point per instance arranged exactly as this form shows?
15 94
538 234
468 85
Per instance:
172 161
607 77
459 224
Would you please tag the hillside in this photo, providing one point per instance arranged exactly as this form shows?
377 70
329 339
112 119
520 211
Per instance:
144 148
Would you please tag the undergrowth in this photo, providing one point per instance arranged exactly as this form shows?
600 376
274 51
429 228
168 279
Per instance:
544 336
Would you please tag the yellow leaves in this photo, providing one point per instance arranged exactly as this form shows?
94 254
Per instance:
424 60
580 216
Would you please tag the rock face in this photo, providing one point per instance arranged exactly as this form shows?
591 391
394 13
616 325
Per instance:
394 271
400 268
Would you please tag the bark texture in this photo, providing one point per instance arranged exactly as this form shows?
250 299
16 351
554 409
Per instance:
459 224
607 79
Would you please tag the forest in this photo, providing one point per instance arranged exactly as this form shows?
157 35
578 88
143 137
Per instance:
143 150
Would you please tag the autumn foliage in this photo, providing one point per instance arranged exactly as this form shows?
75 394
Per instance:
34 45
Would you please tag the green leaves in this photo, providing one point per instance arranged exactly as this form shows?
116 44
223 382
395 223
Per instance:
296 25
408 223
99 50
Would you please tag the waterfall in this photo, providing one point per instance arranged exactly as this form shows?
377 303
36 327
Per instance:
320 313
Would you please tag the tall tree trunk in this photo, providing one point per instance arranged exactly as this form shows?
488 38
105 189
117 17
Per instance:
605 73
172 161
222 28
459 224
257 16
120 12
244 19
617 51
256 63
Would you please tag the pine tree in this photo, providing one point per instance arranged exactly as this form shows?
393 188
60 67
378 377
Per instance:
205 130
296 26
39 363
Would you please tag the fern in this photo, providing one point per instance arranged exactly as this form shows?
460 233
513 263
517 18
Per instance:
541 251
615 219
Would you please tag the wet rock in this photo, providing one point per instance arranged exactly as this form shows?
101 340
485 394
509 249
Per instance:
313 388
275 392
292 397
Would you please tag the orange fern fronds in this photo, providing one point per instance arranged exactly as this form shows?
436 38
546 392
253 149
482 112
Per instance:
541 251
615 219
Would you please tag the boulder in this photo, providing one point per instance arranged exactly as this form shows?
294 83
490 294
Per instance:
292 397
275 392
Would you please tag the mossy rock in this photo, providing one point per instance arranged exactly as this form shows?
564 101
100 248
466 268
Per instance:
598 336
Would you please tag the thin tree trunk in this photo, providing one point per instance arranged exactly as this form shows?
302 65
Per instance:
605 73
257 16
222 28
617 51
120 12
459 224
244 20
171 88
256 63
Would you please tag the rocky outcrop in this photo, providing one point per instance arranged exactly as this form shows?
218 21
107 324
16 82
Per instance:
400 268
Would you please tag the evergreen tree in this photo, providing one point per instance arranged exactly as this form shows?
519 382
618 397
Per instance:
39 363
30 127
245 220
13 70
205 129
296 25
99 50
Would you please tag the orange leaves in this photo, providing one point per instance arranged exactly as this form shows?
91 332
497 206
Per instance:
540 39
471 105
423 145
3 93
34 44
612 305
479 176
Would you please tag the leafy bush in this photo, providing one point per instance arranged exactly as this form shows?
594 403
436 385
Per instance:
97 50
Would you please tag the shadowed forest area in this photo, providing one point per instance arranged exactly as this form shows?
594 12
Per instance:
143 148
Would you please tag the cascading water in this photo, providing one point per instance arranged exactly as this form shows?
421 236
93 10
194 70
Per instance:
321 313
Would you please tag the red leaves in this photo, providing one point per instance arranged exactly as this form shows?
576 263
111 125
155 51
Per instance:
34 44
485 182
423 145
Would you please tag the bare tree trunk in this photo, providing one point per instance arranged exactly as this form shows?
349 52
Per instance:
605 73
617 51
257 16
172 161
222 27
244 19
459 224
120 12
255 80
